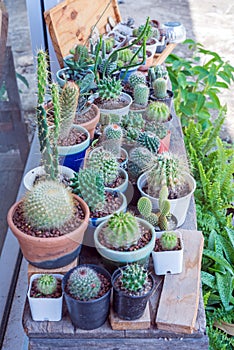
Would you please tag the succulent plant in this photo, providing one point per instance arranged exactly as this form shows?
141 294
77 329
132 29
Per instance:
141 94
126 57
168 240
132 134
133 119
137 78
159 129
112 137
46 284
89 184
151 32
104 163
68 104
109 88
134 277
160 88
122 230
155 72
49 205
158 112
84 283
140 156
144 206
110 43
149 140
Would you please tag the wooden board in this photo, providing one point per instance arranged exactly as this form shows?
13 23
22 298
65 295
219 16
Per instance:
3 34
179 300
70 22
120 325
159 58
62 270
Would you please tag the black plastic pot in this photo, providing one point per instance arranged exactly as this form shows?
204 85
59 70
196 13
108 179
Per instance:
88 314
167 100
129 307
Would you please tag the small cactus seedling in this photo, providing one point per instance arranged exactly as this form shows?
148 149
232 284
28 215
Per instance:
168 240
109 88
141 94
160 88
134 277
136 78
122 230
112 137
84 283
46 284
158 112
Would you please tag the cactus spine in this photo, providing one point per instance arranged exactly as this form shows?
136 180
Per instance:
84 283
141 94
49 205
160 88
122 230
134 277
113 136
136 78
158 112
46 284
109 88
149 140
168 240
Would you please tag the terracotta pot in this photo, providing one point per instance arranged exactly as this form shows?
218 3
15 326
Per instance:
91 124
165 143
52 252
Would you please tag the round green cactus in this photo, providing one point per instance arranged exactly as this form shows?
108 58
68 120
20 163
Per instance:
133 119
141 94
134 277
158 112
149 140
113 135
160 88
46 284
126 56
49 205
84 283
144 206
158 129
141 156
137 78
109 88
110 43
122 230
168 240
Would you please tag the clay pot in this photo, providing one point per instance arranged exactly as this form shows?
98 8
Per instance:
91 124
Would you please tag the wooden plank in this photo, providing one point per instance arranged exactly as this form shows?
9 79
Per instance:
70 22
120 325
179 300
161 57
3 34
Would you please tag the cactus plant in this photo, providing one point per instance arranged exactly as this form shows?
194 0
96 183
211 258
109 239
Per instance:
158 112
133 119
122 230
137 78
144 206
168 240
125 57
141 156
112 137
159 129
84 283
134 278
141 94
46 284
149 140
151 32
109 88
90 186
68 104
132 134
105 163
160 88
158 71
49 205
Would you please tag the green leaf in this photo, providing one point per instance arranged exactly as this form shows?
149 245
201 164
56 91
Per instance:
228 249
224 284
219 259
182 80
221 85
186 110
201 72
200 102
208 279
230 233
224 76
215 99
23 79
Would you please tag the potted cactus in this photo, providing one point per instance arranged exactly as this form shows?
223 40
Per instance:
124 238
161 93
168 253
170 170
45 297
49 223
87 290
132 288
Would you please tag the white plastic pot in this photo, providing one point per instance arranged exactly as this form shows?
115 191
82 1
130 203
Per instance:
120 111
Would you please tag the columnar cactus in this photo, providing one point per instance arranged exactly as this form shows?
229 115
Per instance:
46 284
137 78
160 88
89 184
109 88
156 72
134 277
141 94
68 104
122 230
49 205
158 112
84 283
149 140
112 136
105 163
168 240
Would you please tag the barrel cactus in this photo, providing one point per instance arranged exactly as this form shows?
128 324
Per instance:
122 230
160 88
84 283
112 136
141 94
158 111
134 277
159 129
109 88
46 284
49 205
149 140
133 119
137 78
141 156
168 240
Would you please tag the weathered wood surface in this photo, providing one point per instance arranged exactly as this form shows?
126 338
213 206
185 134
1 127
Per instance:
159 58
179 299
70 22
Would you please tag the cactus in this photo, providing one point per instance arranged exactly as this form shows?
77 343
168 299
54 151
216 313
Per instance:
49 205
151 32
134 277
90 186
133 119
136 78
144 206
68 104
168 240
84 283
126 56
109 88
46 284
158 129
122 230
140 156
105 163
141 94
160 88
110 43
158 112
132 134
112 137
149 140
156 72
